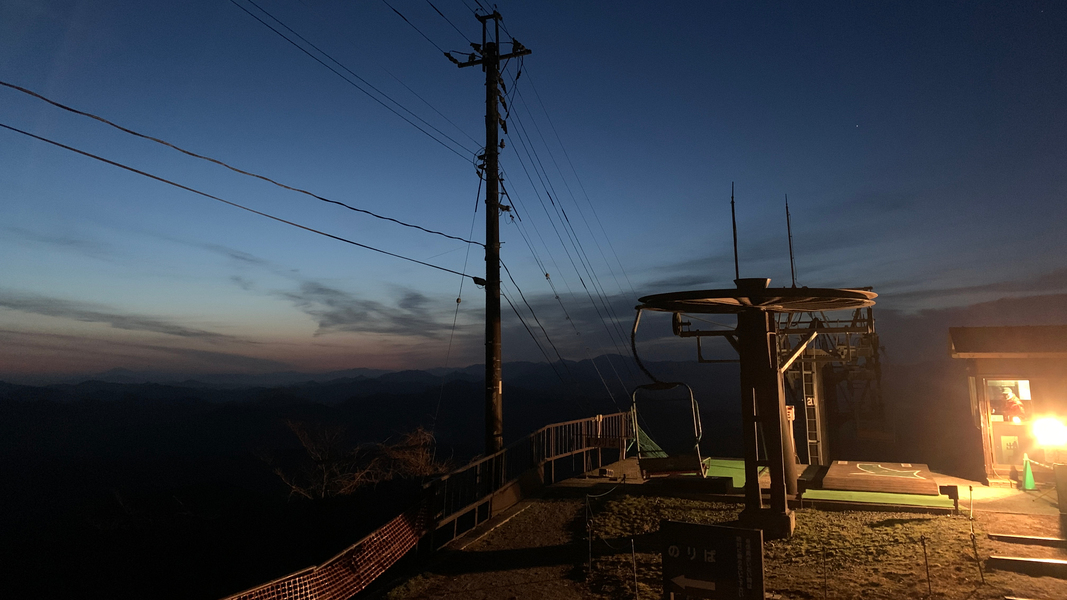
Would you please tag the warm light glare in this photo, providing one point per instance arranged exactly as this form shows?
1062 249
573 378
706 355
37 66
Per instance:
1050 432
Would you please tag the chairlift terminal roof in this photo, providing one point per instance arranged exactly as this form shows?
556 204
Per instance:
752 294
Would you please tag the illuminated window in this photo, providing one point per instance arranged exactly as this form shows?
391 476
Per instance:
1011 413
1009 399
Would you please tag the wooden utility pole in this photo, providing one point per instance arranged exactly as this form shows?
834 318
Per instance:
488 56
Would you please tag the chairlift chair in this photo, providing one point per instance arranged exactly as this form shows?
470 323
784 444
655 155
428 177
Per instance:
665 443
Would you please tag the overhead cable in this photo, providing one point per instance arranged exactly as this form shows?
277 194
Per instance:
572 234
352 83
469 7
530 153
431 106
582 186
426 37
449 22
367 83
236 205
534 315
615 334
232 168
455 316
581 213
533 337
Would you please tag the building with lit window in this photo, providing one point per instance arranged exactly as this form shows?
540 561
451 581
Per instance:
1018 387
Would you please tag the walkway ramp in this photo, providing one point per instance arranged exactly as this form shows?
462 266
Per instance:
898 478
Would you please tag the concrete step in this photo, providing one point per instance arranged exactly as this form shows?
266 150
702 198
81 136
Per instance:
1051 567
1031 540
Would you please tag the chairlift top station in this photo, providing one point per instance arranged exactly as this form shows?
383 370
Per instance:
765 353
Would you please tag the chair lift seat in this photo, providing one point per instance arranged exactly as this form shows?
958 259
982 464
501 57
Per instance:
668 431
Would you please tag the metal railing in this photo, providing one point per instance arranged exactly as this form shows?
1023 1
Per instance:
472 494
457 502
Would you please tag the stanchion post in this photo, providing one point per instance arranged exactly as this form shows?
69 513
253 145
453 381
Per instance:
977 559
633 555
926 561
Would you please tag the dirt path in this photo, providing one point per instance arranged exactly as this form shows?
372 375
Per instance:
532 556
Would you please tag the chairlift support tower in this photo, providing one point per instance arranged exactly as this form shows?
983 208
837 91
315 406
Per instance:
850 346
762 367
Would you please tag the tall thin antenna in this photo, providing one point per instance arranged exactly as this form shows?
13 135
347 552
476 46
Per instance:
789 228
733 218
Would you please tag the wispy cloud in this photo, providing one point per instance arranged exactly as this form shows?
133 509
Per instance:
77 245
923 335
94 313
1049 282
239 256
338 310
127 350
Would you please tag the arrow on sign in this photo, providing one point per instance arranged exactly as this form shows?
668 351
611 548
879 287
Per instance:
684 582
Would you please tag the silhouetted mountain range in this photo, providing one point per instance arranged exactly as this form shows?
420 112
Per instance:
144 478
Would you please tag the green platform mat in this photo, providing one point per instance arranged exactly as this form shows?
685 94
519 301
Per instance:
880 498
726 467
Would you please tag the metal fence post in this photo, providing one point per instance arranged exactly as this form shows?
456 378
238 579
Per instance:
926 561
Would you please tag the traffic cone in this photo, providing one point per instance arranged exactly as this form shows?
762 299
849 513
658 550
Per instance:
1028 474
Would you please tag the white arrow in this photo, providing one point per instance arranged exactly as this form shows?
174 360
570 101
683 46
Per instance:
684 582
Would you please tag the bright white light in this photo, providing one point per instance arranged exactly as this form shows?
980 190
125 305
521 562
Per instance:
1050 432
1016 420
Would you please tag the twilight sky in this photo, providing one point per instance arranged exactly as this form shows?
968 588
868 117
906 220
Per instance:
923 147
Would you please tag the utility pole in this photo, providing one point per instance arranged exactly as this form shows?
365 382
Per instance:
488 56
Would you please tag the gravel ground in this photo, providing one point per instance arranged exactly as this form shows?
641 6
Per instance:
860 554
543 552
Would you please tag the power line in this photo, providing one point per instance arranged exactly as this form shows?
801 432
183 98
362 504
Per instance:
611 335
581 185
573 235
234 204
232 168
449 22
340 64
533 337
352 83
534 315
570 192
455 317
432 107
469 7
426 37
556 296
614 329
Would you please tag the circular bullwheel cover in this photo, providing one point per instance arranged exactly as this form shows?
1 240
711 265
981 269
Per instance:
758 297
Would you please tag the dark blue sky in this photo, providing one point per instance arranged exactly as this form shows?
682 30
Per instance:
922 146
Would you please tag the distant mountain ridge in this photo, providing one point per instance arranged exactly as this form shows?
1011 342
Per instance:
715 384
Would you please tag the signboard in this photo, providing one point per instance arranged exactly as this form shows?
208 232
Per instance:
711 561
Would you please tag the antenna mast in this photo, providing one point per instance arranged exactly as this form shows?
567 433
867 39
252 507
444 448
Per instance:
733 218
789 228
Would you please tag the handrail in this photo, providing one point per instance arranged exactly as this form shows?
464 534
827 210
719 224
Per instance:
523 440
470 489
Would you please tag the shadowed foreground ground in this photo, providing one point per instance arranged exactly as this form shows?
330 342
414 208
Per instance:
539 550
